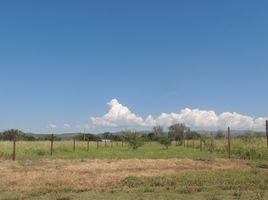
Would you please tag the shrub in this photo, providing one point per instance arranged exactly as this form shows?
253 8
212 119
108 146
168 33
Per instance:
133 139
165 140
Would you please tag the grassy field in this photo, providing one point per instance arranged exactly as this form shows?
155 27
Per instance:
64 150
254 149
116 172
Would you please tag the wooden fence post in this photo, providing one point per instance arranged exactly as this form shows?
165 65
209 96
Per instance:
74 145
97 144
201 148
267 132
51 144
14 146
229 143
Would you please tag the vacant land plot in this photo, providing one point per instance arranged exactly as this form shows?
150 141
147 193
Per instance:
97 174
72 179
116 172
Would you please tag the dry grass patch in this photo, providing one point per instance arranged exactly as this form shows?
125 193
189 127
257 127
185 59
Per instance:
96 175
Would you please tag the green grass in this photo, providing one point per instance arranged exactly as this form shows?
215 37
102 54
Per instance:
201 181
64 150
254 149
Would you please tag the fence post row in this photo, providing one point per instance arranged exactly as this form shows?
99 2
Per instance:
185 143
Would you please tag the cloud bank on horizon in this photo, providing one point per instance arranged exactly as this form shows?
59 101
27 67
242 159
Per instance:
120 116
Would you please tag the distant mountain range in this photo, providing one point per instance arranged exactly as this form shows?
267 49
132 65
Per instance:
69 136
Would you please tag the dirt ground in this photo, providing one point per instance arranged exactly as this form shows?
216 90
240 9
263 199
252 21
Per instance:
98 174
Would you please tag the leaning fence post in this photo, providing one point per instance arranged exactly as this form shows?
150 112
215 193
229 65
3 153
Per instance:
51 144
229 143
14 146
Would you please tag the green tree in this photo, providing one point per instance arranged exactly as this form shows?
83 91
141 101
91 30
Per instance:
165 140
151 136
178 132
220 134
133 139
145 137
88 137
190 135
106 135
158 131
8 135
116 138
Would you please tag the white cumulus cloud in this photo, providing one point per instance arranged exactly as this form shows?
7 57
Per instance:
120 116
52 126
66 125
191 117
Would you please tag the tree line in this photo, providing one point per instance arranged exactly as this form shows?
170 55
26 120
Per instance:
177 132
21 136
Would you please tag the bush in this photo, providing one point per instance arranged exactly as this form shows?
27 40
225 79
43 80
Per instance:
165 140
133 139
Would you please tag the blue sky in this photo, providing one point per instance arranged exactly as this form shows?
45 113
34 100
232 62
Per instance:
62 61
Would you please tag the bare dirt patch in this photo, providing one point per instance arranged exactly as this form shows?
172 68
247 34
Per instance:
96 175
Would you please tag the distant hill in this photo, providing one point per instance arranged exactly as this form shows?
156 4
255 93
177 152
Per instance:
234 132
70 136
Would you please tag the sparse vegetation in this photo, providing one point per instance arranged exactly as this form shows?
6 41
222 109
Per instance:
115 171
130 178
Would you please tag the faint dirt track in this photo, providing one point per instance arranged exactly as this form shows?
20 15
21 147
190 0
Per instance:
96 175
